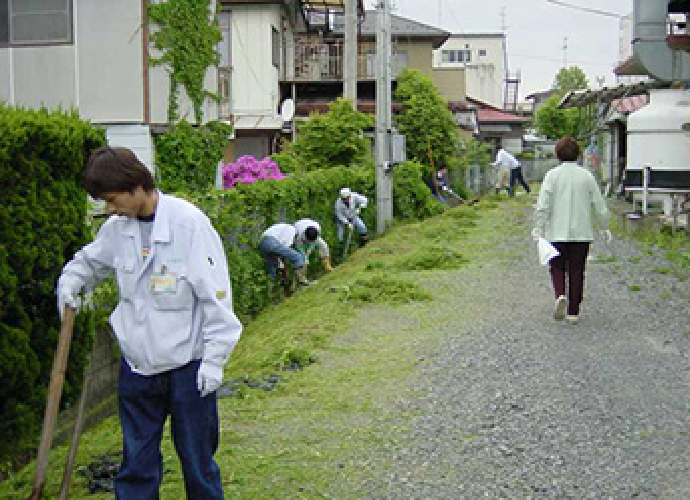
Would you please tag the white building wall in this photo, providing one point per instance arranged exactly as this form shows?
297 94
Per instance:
101 73
108 37
484 74
254 87
43 76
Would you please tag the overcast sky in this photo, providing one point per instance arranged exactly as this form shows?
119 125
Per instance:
535 33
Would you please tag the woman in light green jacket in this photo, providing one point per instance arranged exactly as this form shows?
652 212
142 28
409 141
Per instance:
569 199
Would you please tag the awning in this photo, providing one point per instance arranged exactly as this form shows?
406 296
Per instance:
581 98
257 122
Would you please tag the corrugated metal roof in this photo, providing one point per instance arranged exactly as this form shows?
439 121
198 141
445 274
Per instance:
580 98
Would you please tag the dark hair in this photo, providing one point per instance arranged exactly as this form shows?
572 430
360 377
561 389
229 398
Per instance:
567 149
115 170
311 233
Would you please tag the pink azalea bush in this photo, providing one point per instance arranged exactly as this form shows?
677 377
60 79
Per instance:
247 169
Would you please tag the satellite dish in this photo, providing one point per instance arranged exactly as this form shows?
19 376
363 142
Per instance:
287 110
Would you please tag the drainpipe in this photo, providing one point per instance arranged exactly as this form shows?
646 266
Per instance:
145 61
646 172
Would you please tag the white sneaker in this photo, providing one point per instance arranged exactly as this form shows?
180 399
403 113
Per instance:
559 309
572 319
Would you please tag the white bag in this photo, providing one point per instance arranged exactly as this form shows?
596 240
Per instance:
546 251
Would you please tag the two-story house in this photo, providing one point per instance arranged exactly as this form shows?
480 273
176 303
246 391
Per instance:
315 77
483 57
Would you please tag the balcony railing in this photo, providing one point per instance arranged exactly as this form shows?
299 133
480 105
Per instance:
317 60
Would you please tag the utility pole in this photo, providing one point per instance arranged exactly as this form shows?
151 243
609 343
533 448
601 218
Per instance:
565 52
384 181
350 53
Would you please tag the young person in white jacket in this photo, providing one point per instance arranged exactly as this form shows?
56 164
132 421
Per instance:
174 321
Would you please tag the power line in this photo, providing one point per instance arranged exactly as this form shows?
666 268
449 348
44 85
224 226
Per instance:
587 9
553 59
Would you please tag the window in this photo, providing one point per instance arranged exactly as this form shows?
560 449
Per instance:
455 56
482 52
31 22
275 47
225 45
224 66
399 62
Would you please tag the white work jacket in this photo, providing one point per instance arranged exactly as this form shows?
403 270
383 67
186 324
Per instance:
505 160
346 214
283 232
160 327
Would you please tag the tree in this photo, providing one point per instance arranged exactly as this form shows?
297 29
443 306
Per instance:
554 123
425 120
332 139
572 78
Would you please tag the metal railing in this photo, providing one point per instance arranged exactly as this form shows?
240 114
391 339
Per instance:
317 60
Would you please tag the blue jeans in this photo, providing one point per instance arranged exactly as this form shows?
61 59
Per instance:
144 403
271 250
357 224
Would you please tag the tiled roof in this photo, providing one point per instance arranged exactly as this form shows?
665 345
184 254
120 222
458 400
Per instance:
493 115
489 114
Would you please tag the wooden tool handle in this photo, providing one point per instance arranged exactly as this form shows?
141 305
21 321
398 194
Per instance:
57 378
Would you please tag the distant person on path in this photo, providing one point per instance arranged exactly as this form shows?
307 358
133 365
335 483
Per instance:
174 322
568 200
506 161
347 209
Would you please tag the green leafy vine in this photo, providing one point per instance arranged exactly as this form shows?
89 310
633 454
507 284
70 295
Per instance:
187 34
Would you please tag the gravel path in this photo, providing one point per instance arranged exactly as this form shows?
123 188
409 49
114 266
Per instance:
516 405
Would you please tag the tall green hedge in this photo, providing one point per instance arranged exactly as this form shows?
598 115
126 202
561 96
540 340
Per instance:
42 214
242 213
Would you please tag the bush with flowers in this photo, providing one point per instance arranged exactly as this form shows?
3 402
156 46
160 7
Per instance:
247 170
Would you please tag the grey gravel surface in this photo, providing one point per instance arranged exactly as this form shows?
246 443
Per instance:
516 405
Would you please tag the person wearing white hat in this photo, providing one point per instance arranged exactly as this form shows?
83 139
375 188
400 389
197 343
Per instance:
347 209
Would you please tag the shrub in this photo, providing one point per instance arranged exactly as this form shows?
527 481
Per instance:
332 139
187 156
42 223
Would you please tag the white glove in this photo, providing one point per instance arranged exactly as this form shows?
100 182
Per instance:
349 226
537 233
208 378
65 297
606 234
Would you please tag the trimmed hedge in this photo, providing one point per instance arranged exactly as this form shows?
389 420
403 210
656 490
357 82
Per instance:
242 213
42 223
